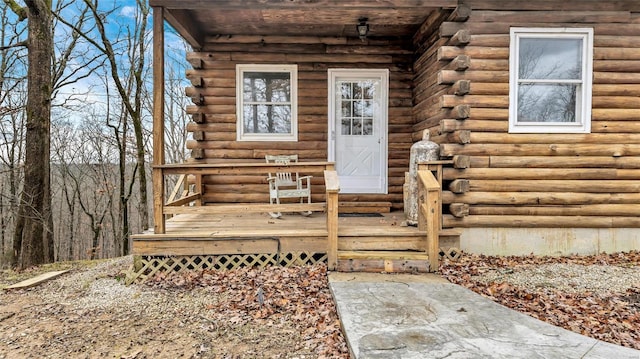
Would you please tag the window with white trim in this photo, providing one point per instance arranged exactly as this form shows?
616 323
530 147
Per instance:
267 102
550 77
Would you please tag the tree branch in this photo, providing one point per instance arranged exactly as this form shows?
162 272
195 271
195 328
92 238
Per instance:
23 43
17 9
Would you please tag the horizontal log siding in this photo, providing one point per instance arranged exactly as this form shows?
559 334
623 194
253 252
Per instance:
540 180
213 93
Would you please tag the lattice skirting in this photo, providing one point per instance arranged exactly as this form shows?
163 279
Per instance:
146 266
451 253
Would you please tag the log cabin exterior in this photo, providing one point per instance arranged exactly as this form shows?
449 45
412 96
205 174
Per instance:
517 174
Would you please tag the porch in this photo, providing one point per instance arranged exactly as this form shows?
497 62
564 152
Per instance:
226 235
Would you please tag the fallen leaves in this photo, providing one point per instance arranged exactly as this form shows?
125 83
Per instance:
264 296
609 316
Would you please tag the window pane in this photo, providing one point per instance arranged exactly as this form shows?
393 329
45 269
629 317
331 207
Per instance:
367 108
357 90
267 86
547 58
369 89
367 127
357 126
346 109
547 103
346 126
345 90
267 118
357 108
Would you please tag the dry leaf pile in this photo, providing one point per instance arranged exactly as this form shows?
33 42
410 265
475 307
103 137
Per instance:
562 294
266 296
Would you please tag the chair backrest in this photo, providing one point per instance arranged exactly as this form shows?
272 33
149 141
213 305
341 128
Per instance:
283 177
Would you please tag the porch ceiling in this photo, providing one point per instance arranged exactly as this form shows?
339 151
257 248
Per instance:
196 20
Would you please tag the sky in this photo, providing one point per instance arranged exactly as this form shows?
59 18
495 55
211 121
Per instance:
91 90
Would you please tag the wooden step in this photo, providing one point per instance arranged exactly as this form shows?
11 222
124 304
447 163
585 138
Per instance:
383 261
404 243
370 231
384 255
365 207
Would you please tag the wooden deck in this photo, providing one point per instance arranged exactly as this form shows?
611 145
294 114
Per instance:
375 242
185 226
193 234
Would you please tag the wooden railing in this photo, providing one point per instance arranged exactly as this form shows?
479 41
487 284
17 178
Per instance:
429 202
181 205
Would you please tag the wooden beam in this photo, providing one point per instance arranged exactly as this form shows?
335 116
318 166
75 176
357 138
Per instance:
459 210
158 119
248 208
460 38
184 200
459 186
252 168
461 161
543 221
185 26
561 173
301 4
36 280
461 13
461 87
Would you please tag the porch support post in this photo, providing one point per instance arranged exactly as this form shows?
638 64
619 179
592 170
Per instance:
158 119
332 188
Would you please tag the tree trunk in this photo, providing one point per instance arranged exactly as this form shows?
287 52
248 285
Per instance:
34 233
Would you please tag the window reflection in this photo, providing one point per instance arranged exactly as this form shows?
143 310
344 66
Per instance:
357 106
549 71
267 102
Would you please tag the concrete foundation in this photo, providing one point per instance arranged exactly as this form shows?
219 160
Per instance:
548 241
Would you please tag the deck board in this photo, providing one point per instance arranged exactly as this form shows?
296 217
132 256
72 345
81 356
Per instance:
193 234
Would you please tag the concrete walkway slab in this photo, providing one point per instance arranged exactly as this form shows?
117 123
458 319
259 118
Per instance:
424 316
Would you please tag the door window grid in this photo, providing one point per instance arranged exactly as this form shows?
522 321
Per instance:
357 107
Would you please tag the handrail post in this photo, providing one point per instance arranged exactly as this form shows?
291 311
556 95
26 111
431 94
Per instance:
199 188
332 188
159 225
428 215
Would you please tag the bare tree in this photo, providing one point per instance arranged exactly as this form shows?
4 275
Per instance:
130 86
12 102
33 236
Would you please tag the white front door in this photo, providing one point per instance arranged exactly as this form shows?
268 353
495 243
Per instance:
358 103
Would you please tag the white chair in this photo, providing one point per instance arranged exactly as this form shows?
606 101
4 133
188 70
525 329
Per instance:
287 184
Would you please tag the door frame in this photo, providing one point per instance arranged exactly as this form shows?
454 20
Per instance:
383 75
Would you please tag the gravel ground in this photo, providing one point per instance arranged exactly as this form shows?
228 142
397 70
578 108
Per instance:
89 313
597 296
567 277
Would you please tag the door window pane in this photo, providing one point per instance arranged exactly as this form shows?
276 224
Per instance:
357 107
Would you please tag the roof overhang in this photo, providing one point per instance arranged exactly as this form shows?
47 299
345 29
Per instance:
196 20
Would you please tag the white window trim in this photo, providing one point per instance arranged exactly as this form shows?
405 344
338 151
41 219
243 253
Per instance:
584 123
293 72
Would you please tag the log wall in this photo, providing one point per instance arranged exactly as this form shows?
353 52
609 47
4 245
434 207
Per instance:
534 180
214 110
